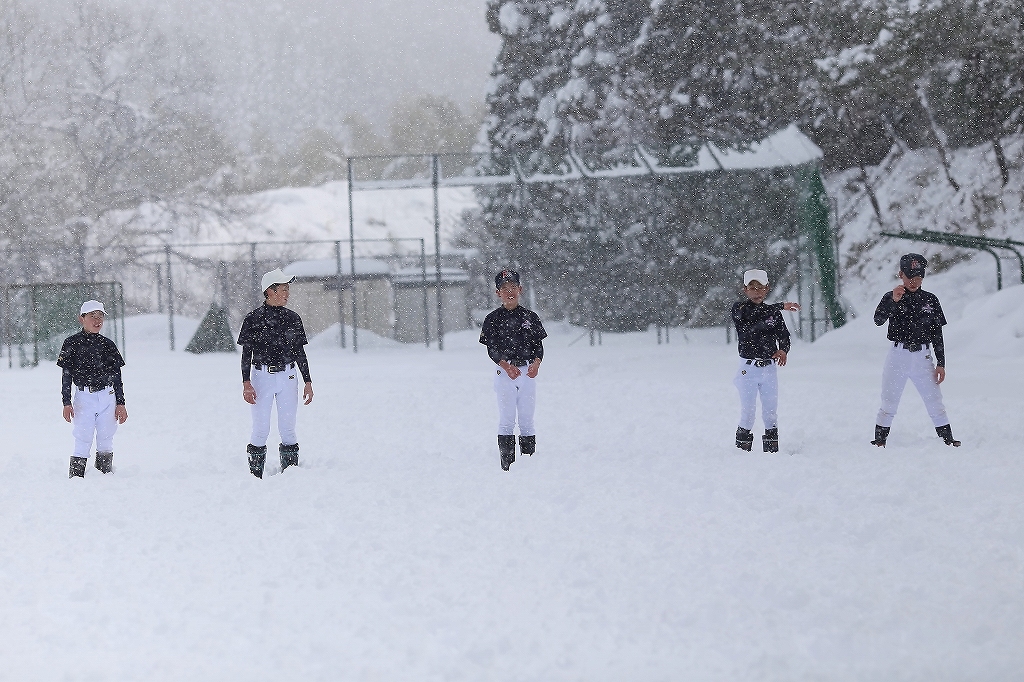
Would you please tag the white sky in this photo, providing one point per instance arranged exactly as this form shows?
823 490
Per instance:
291 65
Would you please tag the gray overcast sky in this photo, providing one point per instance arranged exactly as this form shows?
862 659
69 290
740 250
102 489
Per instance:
292 65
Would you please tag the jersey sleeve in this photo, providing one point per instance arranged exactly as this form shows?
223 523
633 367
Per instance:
65 358
118 383
939 315
246 362
65 386
783 334
938 343
115 357
541 333
245 333
884 309
485 331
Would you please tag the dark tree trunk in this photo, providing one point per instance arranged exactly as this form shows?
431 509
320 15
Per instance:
1004 169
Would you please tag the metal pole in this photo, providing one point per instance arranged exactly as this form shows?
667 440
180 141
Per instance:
10 342
999 267
352 259
124 344
426 305
437 254
159 289
341 298
253 276
35 331
170 298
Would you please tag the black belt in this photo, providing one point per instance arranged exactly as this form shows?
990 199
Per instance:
92 389
274 369
759 362
912 347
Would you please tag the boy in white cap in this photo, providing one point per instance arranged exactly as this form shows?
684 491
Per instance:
763 342
272 340
92 363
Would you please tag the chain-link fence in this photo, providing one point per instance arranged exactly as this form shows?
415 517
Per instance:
38 317
387 287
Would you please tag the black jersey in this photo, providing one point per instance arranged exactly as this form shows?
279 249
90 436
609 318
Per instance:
915 320
513 335
760 329
90 361
273 335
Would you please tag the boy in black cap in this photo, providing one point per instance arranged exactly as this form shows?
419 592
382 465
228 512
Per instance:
92 363
915 330
513 336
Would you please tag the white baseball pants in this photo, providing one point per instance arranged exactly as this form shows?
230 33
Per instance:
94 416
516 398
918 366
750 381
282 387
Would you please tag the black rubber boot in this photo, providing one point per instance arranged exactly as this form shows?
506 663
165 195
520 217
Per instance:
744 439
507 449
527 444
770 440
881 433
78 465
257 458
289 455
104 460
946 434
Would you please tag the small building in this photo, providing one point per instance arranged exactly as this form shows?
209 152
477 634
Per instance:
394 301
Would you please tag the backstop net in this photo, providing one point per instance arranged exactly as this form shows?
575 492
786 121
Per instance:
38 317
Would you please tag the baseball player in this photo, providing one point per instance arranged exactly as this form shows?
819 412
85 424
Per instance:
763 342
917 352
272 340
92 363
513 336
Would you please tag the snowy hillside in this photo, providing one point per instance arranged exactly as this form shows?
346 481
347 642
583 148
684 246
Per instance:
312 213
914 194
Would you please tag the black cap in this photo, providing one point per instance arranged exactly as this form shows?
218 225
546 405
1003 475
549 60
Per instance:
505 276
913 265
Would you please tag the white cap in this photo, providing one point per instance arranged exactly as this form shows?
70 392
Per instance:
275 277
92 306
751 275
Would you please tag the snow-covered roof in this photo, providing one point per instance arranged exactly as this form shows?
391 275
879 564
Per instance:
325 268
788 147
328 267
414 276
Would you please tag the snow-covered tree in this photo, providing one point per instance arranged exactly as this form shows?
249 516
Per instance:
975 72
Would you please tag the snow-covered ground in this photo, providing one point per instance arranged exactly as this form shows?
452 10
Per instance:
637 544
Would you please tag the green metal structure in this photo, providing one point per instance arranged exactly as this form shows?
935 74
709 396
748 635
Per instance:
40 316
966 241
